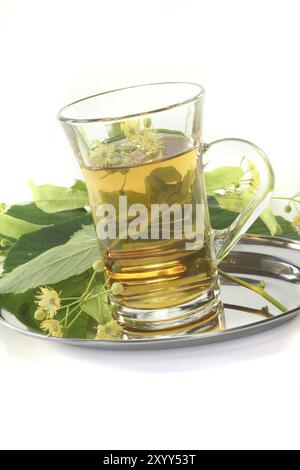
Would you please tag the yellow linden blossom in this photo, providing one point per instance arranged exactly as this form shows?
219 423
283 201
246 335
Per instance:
296 222
131 129
255 177
151 141
112 330
48 300
102 153
53 328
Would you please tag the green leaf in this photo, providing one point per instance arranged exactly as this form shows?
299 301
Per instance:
79 184
31 213
54 265
52 199
221 218
79 328
269 219
15 228
221 178
31 245
97 307
23 306
167 174
235 202
287 228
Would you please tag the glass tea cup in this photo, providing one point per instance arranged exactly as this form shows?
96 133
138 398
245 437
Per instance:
149 177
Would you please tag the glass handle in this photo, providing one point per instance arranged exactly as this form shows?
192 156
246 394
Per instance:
231 153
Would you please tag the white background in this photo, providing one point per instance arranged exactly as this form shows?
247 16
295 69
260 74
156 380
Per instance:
242 394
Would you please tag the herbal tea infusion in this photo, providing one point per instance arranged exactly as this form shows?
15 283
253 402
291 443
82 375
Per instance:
140 150
154 258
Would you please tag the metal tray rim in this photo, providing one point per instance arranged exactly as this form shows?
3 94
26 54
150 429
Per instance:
188 340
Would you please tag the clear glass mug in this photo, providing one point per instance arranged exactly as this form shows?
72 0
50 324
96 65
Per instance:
144 163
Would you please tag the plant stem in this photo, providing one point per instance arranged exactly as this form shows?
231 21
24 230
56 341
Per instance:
255 311
67 314
89 285
287 199
74 319
257 289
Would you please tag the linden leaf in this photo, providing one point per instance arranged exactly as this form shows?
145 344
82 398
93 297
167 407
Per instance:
31 213
167 174
15 228
31 245
97 306
222 177
50 198
269 219
237 203
54 265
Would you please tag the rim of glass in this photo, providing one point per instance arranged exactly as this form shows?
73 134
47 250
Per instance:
194 97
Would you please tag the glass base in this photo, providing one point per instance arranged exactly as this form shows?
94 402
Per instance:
204 309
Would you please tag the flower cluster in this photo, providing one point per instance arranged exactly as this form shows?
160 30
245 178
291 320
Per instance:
48 301
111 330
53 328
50 305
103 153
135 139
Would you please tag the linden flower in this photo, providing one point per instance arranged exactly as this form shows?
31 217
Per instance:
102 153
49 301
151 141
52 327
112 330
296 222
255 177
131 129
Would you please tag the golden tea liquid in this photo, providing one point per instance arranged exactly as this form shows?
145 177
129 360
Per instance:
155 274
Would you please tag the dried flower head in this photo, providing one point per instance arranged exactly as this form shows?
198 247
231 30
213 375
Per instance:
112 330
131 129
102 154
53 328
151 141
49 301
255 176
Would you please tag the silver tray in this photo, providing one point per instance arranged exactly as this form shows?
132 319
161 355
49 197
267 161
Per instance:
272 259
